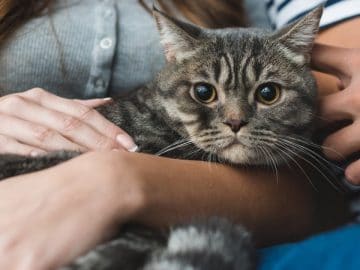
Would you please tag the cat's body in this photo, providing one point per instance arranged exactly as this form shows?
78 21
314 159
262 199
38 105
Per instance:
234 95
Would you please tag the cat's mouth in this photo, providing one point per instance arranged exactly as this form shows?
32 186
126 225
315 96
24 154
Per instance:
235 151
234 142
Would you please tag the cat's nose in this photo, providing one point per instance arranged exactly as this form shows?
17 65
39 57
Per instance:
235 124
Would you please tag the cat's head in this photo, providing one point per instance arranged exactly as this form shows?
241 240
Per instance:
241 94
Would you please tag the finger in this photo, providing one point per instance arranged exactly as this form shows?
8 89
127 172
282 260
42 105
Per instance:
336 107
11 146
35 135
70 127
344 142
85 114
93 103
332 60
352 173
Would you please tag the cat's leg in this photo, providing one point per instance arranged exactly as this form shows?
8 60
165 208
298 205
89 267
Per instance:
12 165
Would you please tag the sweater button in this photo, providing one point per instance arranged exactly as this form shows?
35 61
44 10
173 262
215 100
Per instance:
106 43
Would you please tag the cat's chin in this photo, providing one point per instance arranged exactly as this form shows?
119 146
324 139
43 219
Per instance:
237 154
243 155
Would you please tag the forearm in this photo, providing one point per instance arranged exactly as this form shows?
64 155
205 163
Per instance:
273 210
44 212
341 35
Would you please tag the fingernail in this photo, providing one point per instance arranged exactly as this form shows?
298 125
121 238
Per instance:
107 99
35 153
126 142
134 149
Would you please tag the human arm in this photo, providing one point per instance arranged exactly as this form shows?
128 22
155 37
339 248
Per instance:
89 196
35 121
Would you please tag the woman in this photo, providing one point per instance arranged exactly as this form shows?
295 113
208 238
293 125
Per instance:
107 188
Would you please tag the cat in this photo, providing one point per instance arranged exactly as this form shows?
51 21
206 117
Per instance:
238 96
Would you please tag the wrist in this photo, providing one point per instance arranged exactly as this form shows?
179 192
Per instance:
121 184
101 183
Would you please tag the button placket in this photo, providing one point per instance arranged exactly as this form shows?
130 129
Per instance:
104 49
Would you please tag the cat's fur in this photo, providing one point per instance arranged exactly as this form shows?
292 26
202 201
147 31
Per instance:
165 118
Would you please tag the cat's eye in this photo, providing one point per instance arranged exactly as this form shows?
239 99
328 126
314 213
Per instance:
268 93
205 93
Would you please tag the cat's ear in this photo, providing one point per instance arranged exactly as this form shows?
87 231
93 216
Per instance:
179 39
300 35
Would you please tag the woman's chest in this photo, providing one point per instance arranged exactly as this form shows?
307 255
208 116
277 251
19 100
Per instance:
83 48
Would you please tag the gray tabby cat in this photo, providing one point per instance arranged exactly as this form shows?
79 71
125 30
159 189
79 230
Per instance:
234 95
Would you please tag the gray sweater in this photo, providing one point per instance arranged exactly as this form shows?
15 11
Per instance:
85 48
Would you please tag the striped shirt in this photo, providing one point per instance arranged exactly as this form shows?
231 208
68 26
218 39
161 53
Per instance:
282 12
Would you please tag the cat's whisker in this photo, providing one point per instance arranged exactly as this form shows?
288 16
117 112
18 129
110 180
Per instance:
210 132
286 161
305 148
275 165
289 147
173 147
192 153
318 146
284 151
309 152
281 151
173 144
270 142
313 153
310 143
210 161
272 162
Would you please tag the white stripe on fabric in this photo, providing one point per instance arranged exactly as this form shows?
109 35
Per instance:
293 9
273 9
332 14
340 11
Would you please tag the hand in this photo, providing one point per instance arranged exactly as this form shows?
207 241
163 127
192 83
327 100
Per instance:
35 122
49 218
342 105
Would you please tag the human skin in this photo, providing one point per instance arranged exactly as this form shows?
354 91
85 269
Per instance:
88 197
273 210
50 123
340 91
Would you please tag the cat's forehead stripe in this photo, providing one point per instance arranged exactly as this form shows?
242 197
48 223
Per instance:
225 70
257 69
244 67
232 79
250 73
216 70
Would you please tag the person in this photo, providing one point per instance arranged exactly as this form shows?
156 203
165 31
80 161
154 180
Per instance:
90 196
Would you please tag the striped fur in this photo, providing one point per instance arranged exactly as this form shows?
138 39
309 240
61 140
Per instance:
165 119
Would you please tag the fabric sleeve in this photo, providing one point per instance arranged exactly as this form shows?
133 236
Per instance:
282 12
